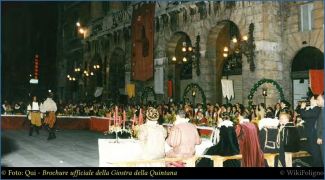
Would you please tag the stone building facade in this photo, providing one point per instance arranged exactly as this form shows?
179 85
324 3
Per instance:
278 36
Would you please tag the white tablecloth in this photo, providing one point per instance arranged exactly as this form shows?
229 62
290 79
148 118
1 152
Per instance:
129 150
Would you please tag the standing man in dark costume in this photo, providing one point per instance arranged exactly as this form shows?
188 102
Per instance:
34 116
310 115
49 108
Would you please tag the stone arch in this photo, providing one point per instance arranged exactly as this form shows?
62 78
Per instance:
182 72
306 58
214 50
116 74
315 59
173 43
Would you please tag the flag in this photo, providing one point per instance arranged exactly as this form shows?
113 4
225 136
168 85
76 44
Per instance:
142 41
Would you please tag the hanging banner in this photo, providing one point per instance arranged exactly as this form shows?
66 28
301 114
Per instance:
159 80
130 90
227 88
142 41
316 79
170 88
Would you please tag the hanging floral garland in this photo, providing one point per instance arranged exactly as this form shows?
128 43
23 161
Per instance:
194 88
258 84
147 92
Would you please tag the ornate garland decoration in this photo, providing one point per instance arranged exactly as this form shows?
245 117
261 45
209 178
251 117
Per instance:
258 84
146 92
194 87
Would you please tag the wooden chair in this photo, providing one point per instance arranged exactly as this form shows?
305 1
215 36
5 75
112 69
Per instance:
289 156
219 160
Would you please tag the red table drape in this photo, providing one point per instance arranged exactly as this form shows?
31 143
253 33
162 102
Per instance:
316 79
19 122
99 124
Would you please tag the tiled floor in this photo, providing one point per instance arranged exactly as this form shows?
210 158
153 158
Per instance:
71 148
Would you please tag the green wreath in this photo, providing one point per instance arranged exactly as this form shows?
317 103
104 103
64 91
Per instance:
194 87
146 92
258 84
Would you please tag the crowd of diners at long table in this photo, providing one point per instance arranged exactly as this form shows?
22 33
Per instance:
279 128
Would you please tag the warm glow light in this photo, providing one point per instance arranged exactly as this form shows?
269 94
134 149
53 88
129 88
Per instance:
174 58
184 59
85 72
97 66
81 31
78 24
245 38
75 69
68 76
184 49
73 79
190 48
225 55
225 49
92 73
234 40
194 93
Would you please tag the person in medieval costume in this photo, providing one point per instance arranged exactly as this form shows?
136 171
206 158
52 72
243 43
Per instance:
34 116
309 115
152 138
249 145
49 108
227 146
183 138
268 131
288 139
268 134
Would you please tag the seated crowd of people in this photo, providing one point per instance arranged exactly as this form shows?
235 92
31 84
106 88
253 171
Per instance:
278 131
250 131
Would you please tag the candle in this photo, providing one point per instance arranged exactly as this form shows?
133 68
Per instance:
109 120
116 116
124 119
140 117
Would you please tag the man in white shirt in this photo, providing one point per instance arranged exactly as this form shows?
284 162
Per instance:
34 116
49 108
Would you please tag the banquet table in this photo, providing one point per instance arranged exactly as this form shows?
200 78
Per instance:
19 122
92 123
111 152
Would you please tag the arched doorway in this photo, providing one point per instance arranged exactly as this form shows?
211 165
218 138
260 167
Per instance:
181 75
306 58
229 67
116 75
